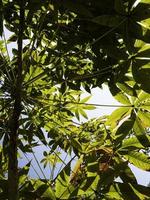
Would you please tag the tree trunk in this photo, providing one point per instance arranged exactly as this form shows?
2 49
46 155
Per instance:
14 119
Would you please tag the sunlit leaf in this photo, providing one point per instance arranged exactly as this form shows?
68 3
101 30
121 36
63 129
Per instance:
138 159
117 116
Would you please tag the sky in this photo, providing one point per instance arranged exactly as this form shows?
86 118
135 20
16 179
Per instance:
99 96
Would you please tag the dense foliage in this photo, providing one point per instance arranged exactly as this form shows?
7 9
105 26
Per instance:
57 47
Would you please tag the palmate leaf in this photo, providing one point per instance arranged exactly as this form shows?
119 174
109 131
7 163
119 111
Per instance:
73 27
79 107
51 158
139 160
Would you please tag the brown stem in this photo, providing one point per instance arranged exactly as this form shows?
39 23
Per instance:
14 119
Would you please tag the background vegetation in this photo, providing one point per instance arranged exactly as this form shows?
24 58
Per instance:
61 46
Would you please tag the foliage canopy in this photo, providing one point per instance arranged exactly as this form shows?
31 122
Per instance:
59 47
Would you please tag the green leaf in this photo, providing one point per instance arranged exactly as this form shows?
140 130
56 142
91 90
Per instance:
89 107
141 72
12 38
77 114
145 1
139 160
144 52
127 191
85 99
145 118
140 132
142 97
124 129
142 190
25 169
113 194
44 190
76 144
117 116
118 94
63 187
127 89
146 107
83 113
132 142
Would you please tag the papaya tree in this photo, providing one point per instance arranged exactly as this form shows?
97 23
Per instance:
49 51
